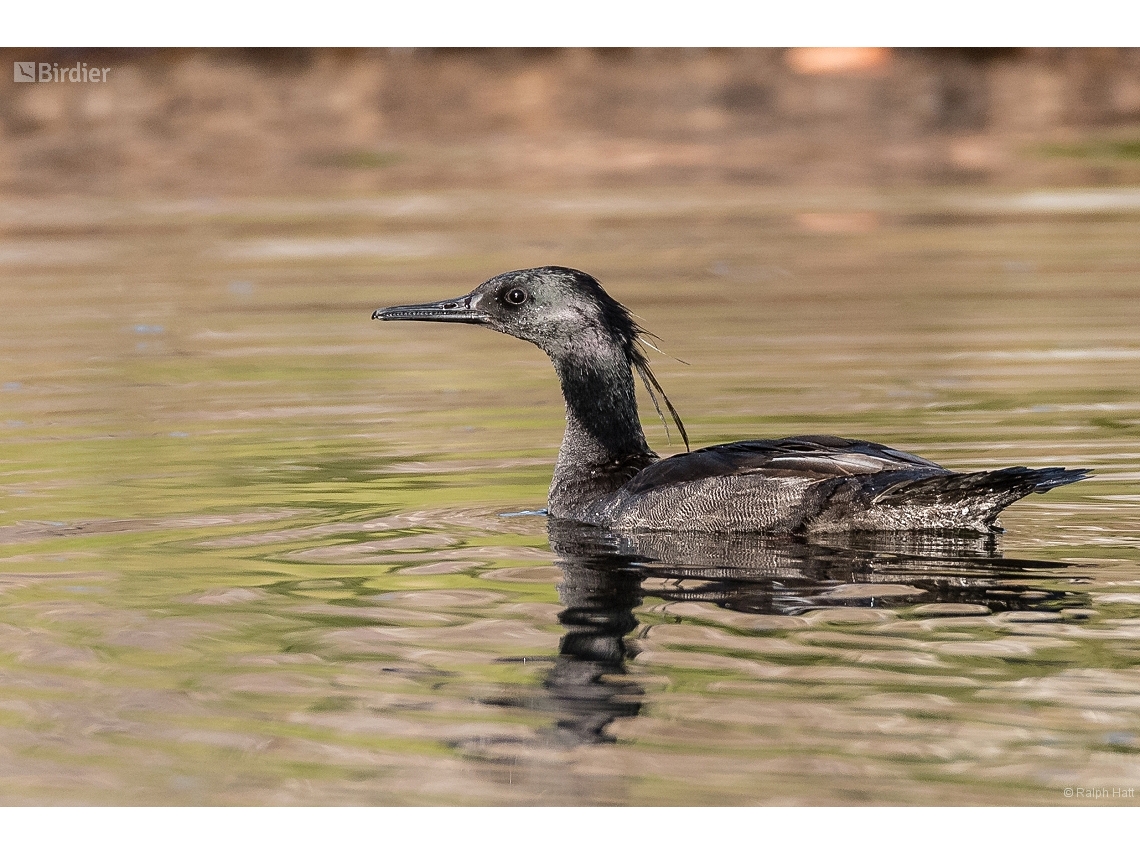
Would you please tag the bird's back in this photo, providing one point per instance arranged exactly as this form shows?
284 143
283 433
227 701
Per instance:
814 484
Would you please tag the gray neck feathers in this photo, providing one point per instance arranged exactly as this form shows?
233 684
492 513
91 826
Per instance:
604 445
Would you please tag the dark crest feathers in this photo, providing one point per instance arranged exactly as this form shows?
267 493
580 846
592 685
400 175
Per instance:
618 318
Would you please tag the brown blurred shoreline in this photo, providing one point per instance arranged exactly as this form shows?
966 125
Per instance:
350 121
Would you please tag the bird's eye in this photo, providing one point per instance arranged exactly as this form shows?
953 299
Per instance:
516 296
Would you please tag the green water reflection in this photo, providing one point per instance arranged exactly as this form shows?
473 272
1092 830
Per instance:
253 551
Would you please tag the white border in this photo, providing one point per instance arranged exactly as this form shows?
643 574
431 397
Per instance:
459 23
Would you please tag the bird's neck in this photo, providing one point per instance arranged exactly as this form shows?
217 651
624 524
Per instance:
604 445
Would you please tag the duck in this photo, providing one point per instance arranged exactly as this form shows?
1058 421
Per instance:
606 474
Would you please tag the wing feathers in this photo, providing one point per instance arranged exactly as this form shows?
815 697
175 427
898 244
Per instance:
811 457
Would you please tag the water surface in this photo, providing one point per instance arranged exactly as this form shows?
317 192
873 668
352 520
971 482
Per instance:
257 549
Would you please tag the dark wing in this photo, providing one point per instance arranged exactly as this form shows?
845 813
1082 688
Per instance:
812 457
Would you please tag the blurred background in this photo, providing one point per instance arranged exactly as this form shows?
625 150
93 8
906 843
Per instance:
363 120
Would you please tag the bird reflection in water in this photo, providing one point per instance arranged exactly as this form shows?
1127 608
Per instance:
606 573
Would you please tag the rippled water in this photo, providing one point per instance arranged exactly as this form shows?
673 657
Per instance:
257 549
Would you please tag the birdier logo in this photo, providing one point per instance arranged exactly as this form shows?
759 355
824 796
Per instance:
50 72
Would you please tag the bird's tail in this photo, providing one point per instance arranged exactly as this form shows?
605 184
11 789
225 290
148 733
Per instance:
1003 486
921 499
971 499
